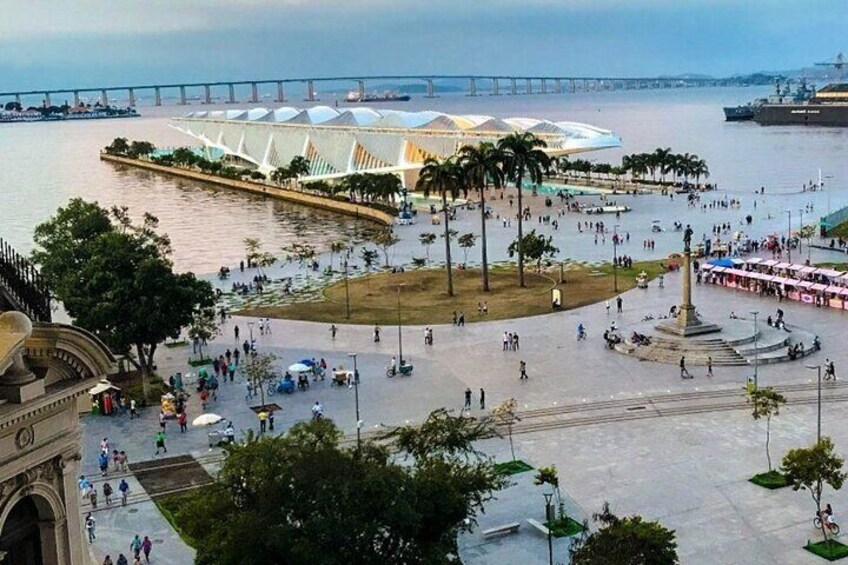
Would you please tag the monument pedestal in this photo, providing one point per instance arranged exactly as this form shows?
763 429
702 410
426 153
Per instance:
687 323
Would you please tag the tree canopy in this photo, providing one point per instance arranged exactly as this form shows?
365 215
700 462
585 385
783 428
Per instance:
303 498
625 541
115 278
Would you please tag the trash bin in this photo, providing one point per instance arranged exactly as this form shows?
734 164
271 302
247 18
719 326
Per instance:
752 384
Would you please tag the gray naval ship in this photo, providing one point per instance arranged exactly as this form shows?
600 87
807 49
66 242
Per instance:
783 96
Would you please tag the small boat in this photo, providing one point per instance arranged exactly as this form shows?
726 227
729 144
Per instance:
604 209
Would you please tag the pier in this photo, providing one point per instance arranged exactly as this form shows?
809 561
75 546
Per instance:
209 91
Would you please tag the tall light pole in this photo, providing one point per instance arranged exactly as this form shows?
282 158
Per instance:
615 258
818 421
250 328
549 520
400 329
756 348
347 293
800 227
356 397
789 236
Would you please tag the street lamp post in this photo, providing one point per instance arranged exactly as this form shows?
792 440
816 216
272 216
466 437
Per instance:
615 257
356 400
789 236
756 347
250 328
818 420
347 293
800 227
400 329
549 520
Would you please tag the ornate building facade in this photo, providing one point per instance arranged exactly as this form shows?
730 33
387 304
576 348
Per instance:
44 370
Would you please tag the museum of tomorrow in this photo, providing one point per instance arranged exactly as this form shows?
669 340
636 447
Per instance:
364 140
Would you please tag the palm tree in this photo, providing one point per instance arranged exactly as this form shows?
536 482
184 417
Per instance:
699 169
522 156
480 165
662 161
445 179
299 166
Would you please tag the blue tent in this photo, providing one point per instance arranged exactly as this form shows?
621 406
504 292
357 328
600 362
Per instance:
723 262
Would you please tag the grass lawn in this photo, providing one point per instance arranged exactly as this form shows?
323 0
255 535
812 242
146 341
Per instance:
830 549
373 298
200 362
513 467
170 505
839 231
770 480
564 527
174 344
835 265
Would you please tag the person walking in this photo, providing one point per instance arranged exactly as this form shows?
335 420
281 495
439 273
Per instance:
122 560
103 461
124 488
162 420
236 333
376 334
90 525
618 304
108 560
467 399
182 419
270 420
133 411
160 441
482 399
107 493
333 331
515 344
709 366
92 496
684 374
146 546
135 546
607 306
522 367
506 341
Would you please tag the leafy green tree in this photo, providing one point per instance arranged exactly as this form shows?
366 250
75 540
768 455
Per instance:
257 175
445 179
523 157
812 468
550 476
385 240
298 167
625 541
505 415
427 239
466 241
115 278
119 146
766 402
140 149
258 369
481 165
303 498
300 252
536 247
203 327
369 257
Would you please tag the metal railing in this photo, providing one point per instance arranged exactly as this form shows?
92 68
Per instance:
23 285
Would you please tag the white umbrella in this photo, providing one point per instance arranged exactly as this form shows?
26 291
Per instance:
206 420
299 368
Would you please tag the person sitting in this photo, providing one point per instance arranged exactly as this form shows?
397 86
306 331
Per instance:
302 381
791 352
230 432
816 343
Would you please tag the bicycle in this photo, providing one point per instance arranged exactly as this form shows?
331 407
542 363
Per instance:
832 527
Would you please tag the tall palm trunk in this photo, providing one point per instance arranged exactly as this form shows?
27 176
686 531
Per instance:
520 232
483 237
447 244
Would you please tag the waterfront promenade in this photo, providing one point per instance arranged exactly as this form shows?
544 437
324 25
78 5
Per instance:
688 471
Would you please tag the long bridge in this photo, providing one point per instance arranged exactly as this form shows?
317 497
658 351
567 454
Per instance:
493 84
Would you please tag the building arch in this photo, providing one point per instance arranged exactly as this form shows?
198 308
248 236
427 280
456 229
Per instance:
35 503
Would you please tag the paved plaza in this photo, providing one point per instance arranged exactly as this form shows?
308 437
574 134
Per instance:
689 472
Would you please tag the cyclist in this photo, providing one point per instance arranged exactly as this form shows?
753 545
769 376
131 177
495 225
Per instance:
828 515
317 411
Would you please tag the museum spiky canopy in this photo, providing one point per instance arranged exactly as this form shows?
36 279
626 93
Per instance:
365 140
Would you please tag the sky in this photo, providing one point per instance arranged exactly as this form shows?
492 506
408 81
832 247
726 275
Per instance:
87 43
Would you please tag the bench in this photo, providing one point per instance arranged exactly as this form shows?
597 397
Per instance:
541 527
505 529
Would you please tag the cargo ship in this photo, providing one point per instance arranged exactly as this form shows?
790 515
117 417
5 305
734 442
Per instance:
827 107
355 97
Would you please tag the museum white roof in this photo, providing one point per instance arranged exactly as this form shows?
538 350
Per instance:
397 119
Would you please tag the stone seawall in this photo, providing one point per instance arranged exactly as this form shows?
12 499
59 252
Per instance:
347 208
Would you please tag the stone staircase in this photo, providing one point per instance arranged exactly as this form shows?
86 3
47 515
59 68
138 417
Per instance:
725 348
